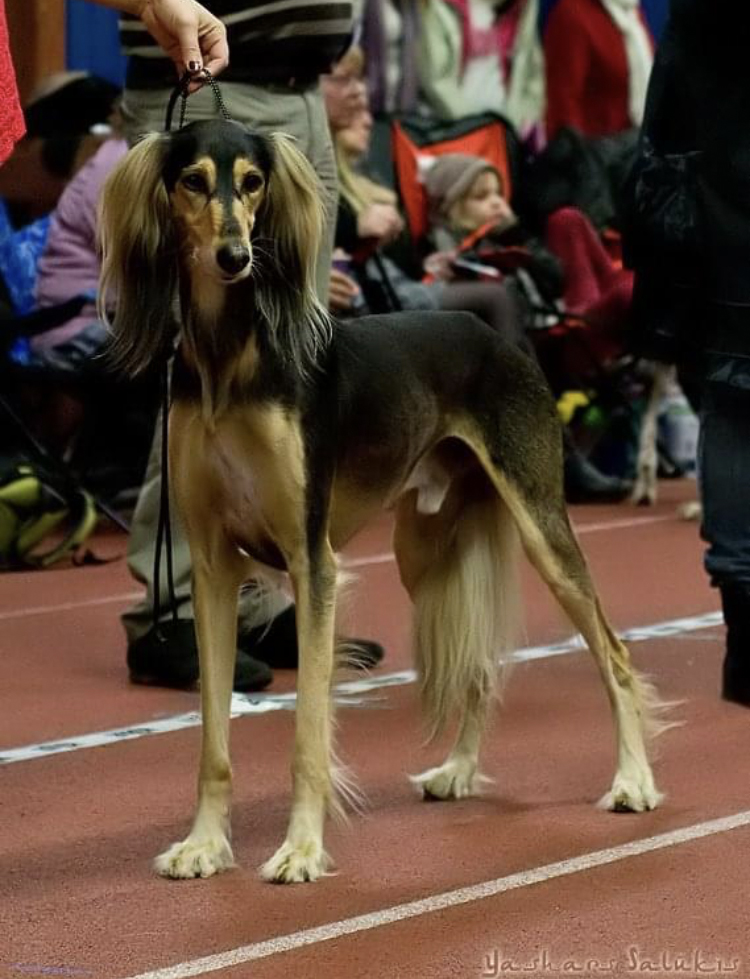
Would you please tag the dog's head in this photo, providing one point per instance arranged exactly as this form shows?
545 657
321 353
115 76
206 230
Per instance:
216 176
213 204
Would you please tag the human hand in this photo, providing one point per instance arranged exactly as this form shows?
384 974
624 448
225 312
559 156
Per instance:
192 37
440 265
381 221
342 291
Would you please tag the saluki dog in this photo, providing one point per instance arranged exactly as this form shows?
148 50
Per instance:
288 432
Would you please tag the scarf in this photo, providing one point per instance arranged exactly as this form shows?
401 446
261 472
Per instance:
639 51
373 42
516 41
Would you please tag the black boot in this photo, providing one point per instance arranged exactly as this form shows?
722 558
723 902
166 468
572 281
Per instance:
735 600
168 657
275 643
585 484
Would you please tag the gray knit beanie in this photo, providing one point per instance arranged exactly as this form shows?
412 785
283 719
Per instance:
448 179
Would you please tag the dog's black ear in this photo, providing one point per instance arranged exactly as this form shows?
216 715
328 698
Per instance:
139 262
291 226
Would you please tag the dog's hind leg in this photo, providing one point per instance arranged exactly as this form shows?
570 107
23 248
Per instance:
458 566
216 582
644 490
552 548
301 857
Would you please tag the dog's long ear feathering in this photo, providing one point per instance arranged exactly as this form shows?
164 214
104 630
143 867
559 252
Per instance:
139 261
292 223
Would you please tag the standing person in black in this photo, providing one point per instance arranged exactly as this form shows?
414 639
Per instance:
688 238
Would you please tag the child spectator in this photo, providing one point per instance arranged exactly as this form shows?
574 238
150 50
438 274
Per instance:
472 220
370 230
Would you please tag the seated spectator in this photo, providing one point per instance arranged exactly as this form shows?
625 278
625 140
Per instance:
482 56
369 231
598 57
472 220
75 386
69 266
67 118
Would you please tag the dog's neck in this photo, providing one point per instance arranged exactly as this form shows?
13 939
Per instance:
219 341
225 347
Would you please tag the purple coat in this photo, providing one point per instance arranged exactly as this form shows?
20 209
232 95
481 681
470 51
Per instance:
70 264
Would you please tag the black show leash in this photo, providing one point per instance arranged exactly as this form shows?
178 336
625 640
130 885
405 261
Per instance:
164 526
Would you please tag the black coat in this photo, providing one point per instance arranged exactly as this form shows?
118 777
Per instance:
687 231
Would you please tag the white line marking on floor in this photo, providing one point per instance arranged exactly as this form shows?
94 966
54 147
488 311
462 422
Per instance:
448 899
357 562
596 528
352 693
591 528
21 613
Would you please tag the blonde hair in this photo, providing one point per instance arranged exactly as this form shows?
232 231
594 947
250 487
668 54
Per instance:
359 191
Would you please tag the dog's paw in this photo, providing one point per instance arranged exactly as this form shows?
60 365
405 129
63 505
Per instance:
644 492
632 794
691 510
453 780
296 863
193 858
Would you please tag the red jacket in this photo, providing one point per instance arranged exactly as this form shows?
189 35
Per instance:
587 70
11 117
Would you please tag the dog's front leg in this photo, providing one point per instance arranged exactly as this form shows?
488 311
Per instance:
207 849
301 857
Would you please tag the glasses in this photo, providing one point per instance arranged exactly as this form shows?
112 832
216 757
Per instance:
344 81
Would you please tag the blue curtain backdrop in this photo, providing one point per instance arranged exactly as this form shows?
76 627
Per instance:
656 12
92 43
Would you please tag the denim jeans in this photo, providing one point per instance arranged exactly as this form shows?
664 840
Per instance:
724 468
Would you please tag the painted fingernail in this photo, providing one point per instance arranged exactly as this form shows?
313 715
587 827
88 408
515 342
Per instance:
194 66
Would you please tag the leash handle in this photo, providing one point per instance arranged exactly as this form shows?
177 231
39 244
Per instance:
182 91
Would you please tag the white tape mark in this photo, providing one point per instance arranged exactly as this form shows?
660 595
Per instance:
351 693
22 613
361 562
448 899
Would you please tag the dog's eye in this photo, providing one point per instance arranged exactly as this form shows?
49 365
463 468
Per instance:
252 183
195 183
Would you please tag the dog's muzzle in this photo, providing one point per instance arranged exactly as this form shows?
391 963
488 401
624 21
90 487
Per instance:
233 258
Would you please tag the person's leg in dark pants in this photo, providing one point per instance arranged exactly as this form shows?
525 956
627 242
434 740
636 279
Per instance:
724 468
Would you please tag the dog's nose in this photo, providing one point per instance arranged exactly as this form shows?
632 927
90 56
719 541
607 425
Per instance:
232 258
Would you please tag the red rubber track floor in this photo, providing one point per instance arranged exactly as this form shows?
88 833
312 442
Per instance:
531 879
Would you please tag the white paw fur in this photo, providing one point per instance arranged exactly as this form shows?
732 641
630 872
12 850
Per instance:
295 864
195 858
634 793
456 779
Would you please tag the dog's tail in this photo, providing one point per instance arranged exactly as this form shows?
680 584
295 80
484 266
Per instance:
467 610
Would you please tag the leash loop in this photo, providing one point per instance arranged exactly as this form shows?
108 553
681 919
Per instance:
182 91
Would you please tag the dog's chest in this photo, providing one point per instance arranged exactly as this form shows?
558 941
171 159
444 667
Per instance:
257 465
